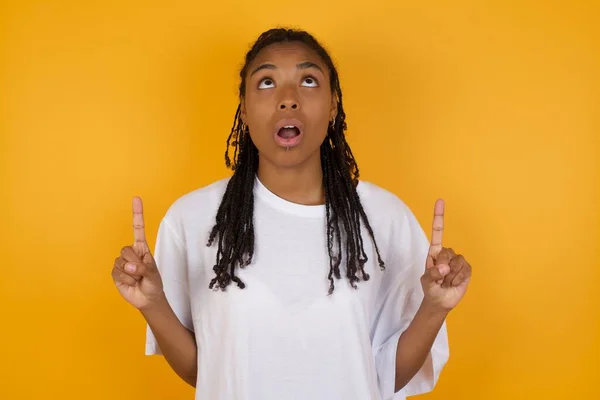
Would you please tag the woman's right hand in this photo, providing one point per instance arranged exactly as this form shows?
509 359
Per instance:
135 273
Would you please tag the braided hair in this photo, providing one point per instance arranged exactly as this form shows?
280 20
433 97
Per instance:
234 227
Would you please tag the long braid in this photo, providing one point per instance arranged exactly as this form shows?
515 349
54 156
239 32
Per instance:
234 222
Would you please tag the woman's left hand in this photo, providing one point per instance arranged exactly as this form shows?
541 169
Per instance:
447 274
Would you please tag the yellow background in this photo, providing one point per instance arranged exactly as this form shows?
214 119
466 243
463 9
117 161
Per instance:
492 105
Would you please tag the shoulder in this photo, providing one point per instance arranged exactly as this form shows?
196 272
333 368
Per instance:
200 197
391 217
198 206
382 202
404 241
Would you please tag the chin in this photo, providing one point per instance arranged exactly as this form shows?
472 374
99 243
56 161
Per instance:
293 158
290 160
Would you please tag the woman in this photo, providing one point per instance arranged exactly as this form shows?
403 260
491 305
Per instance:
273 242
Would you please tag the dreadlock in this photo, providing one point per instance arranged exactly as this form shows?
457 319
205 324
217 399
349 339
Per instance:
234 225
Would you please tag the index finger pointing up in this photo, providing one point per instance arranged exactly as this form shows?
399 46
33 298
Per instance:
139 230
437 228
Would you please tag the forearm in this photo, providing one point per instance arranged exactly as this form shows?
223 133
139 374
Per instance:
416 341
176 342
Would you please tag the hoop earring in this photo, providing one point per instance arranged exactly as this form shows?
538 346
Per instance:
333 124
244 127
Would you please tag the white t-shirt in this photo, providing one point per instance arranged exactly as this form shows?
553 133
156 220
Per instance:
283 337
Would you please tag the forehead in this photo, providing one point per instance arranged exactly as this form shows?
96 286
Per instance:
287 52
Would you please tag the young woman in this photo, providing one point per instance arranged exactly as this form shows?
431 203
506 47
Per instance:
324 286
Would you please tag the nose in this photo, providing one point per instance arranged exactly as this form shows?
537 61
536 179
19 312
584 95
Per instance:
288 101
288 104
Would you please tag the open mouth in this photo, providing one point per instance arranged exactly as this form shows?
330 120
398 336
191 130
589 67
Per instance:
288 132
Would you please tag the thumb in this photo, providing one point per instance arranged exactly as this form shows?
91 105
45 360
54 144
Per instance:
436 272
139 270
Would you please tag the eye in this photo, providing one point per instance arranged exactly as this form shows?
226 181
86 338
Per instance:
265 83
310 82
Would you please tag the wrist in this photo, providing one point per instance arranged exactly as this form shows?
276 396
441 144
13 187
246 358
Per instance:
433 310
157 305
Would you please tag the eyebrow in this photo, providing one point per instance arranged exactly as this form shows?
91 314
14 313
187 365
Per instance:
303 65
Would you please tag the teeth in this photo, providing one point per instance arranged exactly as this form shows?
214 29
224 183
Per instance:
289 126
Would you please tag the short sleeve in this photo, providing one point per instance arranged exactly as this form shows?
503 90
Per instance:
171 260
399 299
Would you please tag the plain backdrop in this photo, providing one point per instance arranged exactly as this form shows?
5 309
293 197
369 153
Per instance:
492 105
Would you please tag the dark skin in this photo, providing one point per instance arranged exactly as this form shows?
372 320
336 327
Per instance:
295 84
289 80
444 282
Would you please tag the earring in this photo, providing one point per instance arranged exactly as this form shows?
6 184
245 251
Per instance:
244 127
333 123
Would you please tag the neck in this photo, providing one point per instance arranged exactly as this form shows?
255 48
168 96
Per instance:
301 184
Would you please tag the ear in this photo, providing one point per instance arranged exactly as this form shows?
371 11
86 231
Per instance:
334 107
243 110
